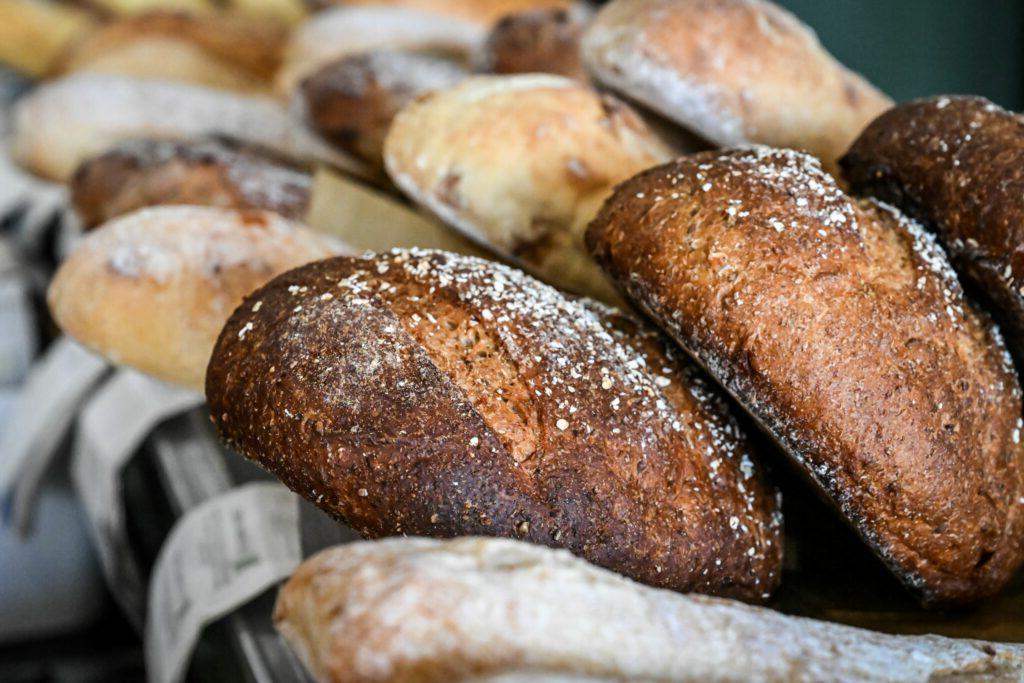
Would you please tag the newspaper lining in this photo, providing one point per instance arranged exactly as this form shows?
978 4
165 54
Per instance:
219 556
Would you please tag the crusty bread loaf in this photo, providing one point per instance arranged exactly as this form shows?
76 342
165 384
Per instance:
521 164
842 329
352 102
151 290
202 172
483 13
426 393
335 33
956 163
733 71
476 609
33 35
538 41
64 122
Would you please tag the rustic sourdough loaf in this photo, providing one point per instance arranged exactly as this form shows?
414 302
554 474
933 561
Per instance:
842 329
957 164
425 393
537 41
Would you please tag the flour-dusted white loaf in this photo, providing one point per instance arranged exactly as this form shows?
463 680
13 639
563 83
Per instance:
498 610
732 71
151 290
63 122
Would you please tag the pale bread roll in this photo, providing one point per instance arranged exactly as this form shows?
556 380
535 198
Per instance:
152 290
476 609
62 123
732 71
521 164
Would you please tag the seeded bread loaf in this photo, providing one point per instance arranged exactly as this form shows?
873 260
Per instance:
204 172
538 41
425 393
957 164
732 71
841 327
151 290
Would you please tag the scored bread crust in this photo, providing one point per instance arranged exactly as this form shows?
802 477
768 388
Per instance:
203 172
842 329
520 164
426 393
957 164
732 71
538 41
152 289
471 609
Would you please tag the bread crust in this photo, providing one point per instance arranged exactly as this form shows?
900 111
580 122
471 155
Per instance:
482 13
424 393
842 329
206 172
957 164
151 290
543 40
520 164
733 71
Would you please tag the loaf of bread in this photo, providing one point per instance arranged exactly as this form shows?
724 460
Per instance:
733 71
212 49
476 609
521 164
842 329
151 290
352 102
538 41
426 393
957 164
342 31
483 13
33 35
62 123
201 172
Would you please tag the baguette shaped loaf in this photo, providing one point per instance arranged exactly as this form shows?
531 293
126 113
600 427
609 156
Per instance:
521 164
537 41
732 71
426 393
152 289
64 122
204 172
957 163
476 609
842 329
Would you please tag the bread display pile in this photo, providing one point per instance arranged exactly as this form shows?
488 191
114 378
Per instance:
679 301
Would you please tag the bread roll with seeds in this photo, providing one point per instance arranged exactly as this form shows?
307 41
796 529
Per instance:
205 172
842 329
521 164
482 13
64 122
538 41
956 163
426 393
476 609
352 102
733 71
151 290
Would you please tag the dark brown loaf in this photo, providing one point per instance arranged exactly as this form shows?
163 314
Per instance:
539 41
208 172
425 393
956 163
841 328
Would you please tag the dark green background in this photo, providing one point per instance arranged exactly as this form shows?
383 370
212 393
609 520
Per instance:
911 48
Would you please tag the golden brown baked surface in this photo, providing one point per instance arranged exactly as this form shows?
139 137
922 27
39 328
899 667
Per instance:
353 101
425 393
734 71
537 41
205 172
152 289
957 164
841 327
480 12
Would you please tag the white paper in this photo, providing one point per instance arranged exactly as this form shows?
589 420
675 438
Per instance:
18 339
220 555
111 428
44 409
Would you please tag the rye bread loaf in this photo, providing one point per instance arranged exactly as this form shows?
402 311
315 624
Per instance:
957 164
203 172
842 329
538 41
152 289
425 393
732 71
